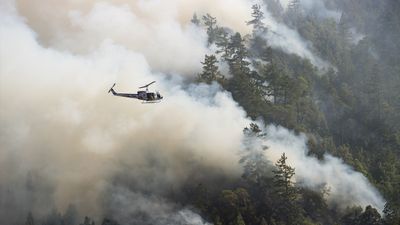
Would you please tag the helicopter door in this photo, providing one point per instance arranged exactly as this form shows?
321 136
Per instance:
150 96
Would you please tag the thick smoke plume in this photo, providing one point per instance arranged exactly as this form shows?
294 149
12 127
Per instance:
64 140
289 40
345 186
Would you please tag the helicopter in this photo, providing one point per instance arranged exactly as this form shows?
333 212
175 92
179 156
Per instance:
146 96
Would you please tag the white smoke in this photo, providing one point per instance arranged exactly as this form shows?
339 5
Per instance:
355 36
281 36
59 123
149 27
59 126
137 208
316 7
346 186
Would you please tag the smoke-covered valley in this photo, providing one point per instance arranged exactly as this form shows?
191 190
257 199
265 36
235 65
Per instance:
65 141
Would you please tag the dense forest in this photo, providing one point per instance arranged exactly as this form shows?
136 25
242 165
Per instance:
349 108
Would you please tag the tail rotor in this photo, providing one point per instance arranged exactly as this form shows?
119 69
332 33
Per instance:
111 89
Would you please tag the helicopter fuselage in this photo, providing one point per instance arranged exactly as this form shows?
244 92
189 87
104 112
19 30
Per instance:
146 96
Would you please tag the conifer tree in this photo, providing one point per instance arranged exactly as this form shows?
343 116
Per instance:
287 208
195 20
283 179
370 217
239 54
256 22
211 24
222 42
239 220
210 70
255 163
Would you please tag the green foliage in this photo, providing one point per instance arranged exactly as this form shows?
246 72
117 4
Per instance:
211 25
315 206
255 164
257 23
285 193
242 84
239 220
351 216
284 187
351 110
210 70
392 213
370 217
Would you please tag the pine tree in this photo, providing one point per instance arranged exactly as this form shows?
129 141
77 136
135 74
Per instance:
243 85
392 213
370 217
195 20
239 220
222 43
282 179
287 208
210 70
239 54
254 162
256 22
278 83
211 24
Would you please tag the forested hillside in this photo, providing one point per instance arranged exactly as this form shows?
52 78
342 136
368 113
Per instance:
345 100
349 109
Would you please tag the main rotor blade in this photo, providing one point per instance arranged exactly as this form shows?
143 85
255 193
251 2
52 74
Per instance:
145 86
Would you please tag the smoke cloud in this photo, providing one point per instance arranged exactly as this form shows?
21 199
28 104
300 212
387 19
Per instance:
346 187
135 208
316 7
59 124
148 27
64 140
288 40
